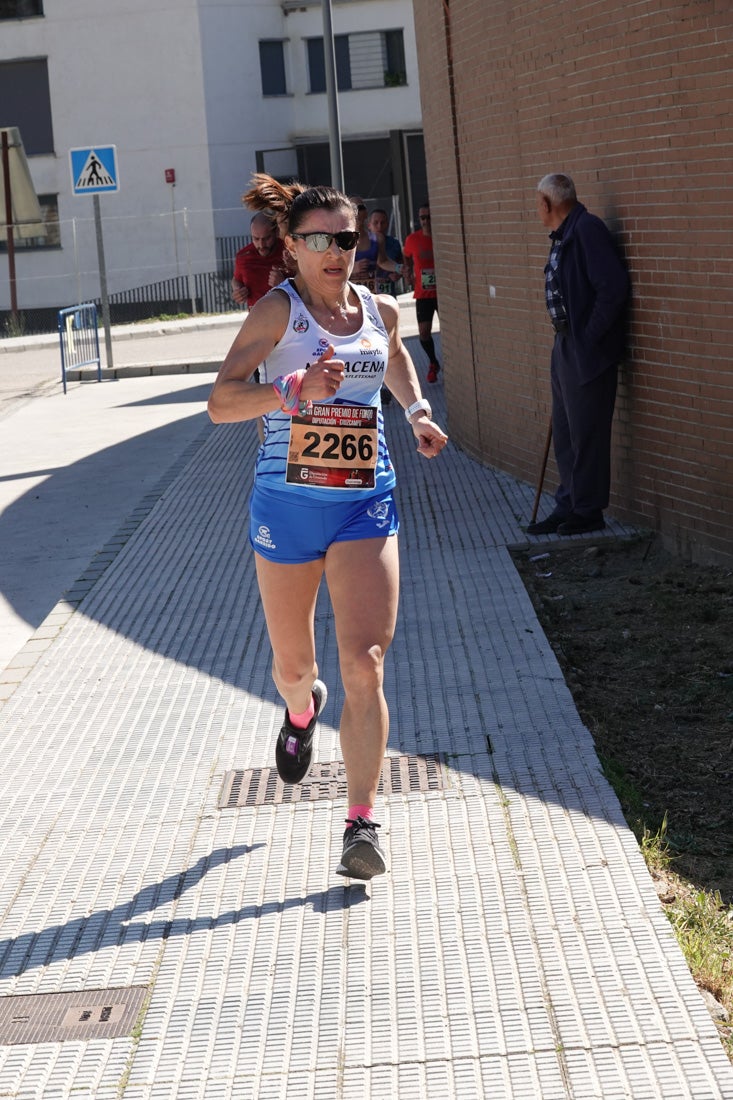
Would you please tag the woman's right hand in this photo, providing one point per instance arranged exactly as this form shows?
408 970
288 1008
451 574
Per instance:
323 378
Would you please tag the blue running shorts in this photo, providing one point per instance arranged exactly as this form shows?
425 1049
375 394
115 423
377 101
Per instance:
286 529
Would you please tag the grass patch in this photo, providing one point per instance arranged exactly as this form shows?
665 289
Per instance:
703 925
645 642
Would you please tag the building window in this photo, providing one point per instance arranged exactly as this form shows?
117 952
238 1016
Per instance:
50 216
272 67
396 72
317 63
368 59
20 9
25 102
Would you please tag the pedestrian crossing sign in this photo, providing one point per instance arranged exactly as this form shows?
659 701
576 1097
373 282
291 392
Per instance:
94 170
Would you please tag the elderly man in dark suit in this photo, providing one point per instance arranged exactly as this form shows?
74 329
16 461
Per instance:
587 291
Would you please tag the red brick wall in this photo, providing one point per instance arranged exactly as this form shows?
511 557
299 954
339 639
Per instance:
635 102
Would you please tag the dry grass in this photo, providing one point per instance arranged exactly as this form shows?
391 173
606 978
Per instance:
646 645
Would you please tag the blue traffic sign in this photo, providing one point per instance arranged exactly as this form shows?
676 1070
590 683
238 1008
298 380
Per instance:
94 170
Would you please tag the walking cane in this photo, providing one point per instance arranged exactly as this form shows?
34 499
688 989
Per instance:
541 478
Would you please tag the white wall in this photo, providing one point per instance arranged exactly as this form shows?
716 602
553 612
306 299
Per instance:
176 84
128 75
241 121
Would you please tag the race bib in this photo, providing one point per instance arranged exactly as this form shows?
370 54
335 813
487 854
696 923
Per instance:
333 447
428 278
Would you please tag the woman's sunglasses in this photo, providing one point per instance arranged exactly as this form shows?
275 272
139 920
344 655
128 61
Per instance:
320 242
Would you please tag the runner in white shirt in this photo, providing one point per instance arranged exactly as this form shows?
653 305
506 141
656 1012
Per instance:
322 498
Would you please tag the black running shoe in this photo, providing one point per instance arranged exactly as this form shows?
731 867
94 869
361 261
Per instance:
362 857
294 747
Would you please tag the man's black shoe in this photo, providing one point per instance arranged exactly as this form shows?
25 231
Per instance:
294 747
581 525
549 525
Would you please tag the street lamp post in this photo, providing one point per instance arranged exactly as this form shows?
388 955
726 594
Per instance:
334 127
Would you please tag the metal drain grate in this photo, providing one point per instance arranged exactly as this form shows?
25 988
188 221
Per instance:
263 786
59 1017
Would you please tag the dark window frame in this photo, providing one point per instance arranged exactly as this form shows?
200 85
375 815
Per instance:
316 59
24 9
394 76
273 73
396 73
25 102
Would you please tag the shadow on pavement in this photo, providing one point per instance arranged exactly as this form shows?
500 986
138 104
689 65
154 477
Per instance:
86 934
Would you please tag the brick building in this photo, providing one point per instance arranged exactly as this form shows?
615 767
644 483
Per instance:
634 101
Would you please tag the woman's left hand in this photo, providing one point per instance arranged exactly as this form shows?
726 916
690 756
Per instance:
430 438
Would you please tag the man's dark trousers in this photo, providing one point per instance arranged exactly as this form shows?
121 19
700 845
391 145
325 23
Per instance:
581 432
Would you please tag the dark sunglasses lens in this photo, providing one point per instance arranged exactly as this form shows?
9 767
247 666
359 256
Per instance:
320 242
346 240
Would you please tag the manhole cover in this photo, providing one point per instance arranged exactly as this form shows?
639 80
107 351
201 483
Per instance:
57 1017
263 786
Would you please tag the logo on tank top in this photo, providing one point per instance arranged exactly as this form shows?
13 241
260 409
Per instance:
364 343
301 323
318 351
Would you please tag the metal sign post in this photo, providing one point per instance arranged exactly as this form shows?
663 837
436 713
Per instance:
9 227
103 283
94 171
170 177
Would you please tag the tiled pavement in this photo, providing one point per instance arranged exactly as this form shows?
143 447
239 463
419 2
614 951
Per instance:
516 947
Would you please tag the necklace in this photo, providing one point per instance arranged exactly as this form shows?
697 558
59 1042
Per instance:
339 313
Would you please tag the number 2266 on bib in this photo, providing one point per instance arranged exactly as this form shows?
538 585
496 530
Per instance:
334 447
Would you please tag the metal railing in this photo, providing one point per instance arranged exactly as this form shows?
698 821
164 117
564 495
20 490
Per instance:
203 292
79 339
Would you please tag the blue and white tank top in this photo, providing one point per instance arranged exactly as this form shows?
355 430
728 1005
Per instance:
369 253
364 353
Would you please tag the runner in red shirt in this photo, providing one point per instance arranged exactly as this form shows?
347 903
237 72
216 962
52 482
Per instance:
259 265
418 251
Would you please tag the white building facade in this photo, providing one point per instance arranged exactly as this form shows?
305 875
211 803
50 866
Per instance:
210 90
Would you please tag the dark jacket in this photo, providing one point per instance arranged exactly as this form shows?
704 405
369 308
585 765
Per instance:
595 290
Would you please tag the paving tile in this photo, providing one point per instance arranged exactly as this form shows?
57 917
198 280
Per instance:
516 948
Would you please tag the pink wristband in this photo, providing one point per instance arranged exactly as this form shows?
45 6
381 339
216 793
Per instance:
287 387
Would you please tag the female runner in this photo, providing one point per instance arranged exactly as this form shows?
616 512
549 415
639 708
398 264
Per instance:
322 497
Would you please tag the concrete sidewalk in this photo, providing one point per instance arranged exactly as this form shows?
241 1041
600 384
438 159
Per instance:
32 365
171 924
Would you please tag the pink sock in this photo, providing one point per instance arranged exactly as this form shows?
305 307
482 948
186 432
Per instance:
300 721
367 812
